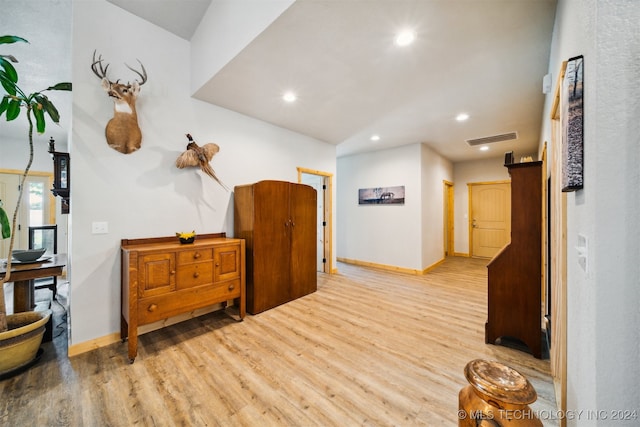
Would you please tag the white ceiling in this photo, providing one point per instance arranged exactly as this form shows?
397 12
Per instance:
483 57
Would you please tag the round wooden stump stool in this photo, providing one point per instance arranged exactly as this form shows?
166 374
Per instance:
497 395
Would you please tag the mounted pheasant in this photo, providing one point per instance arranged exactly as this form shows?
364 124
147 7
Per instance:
200 157
122 131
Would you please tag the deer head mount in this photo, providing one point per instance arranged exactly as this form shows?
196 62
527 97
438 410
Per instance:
122 131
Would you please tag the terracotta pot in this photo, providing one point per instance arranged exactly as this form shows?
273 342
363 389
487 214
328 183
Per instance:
19 345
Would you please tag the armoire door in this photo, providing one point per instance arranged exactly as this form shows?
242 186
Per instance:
271 245
302 206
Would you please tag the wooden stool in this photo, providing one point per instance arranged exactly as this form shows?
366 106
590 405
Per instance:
497 395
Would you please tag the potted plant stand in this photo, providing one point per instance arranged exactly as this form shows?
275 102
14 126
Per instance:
19 345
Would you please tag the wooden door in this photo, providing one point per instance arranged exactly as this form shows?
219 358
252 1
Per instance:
448 219
490 217
302 209
271 245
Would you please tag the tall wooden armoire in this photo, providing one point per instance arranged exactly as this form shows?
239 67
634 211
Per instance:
277 219
515 273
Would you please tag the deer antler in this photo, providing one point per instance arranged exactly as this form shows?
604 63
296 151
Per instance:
142 75
102 73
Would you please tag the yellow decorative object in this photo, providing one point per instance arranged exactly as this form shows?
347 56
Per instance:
186 237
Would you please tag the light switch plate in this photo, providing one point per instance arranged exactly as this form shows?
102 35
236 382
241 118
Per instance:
583 251
101 227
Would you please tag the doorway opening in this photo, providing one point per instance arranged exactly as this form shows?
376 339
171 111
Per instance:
448 218
36 208
322 182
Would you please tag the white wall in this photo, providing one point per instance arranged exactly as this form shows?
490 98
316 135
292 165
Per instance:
487 170
227 28
407 236
435 170
143 194
603 316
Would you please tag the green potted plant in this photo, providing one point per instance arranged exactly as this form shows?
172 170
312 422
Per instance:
18 345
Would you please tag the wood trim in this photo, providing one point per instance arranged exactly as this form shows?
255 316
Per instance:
328 212
555 107
461 254
94 344
432 266
106 340
558 351
502 181
387 267
448 196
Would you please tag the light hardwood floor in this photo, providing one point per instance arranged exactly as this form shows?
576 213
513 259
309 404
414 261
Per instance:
369 348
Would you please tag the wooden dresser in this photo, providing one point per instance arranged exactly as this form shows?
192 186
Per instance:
515 273
162 278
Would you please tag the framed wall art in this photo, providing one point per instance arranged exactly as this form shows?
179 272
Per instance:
572 125
381 195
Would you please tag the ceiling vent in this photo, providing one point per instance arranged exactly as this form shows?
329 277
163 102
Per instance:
494 138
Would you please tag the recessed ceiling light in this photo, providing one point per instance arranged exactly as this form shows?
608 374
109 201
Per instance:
375 137
289 97
484 148
405 38
462 117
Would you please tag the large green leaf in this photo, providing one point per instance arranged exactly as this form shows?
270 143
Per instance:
12 74
8 85
4 104
11 39
4 224
13 110
49 108
60 86
38 113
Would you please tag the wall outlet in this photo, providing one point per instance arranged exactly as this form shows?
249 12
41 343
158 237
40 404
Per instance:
99 227
583 252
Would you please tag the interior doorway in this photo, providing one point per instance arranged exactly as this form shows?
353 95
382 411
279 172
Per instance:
36 208
322 182
489 217
448 218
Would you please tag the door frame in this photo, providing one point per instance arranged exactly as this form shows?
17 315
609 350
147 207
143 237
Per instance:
327 179
21 215
448 231
470 186
558 258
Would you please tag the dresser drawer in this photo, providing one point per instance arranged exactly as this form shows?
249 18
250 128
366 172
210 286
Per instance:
195 255
196 274
185 300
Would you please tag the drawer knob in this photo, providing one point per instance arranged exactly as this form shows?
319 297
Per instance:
196 275
152 307
196 255
232 287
